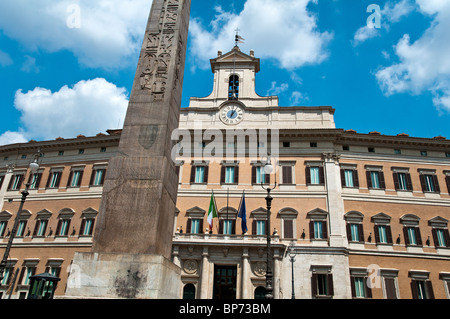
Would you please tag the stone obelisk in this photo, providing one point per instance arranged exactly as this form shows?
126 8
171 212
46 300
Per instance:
132 244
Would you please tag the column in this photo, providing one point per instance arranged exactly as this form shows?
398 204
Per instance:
6 180
246 291
204 282
335 203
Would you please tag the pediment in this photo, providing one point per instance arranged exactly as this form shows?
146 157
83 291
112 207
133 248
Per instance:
196 209
237 57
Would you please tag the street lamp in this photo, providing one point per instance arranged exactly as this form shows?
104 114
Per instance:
268 169
292 256
34 166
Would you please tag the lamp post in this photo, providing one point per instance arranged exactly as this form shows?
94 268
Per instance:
292 257
34 166
268 169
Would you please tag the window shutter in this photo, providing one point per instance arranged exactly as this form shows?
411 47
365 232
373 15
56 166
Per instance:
38 180
80 178
233 227
435 238
361 232
389 234
422 183
308 175
200 226
405 234
205 179
414 290
330 291
343 178
367 288
22 273
321 175
447 180
36 227
177 170
377 234
254 227
68 227
314 285
430 292
349 233
418 236
253 174
355 178
188 226
91 182
324 230
382 181
103 177
409 182
83 223
311 230
267 178
352 285
193 174
390 288
369 179
11 182
69 181
437 189
58 178
220 226
447 238
222 174
236 174
287 175
396 182
58 228
288 228
29 178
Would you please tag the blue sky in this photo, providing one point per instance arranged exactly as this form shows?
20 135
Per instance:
67 66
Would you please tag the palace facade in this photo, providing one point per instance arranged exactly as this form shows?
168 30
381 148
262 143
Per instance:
354 215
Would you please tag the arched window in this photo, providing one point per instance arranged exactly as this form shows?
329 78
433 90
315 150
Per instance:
233 88
189 292
260 292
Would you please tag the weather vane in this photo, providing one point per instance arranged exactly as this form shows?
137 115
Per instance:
238 38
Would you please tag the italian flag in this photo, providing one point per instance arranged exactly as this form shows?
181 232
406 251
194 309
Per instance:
212 212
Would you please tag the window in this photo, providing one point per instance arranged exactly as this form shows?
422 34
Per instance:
423 153
40 228
259 175
402 180
16 182
314 175
313 144
358 283
322 282
54 179
429 182
2 178
81 151
61 153
286 173
21 228
447 154
199 174
233 87
447 181
229 174
87 227
97 176
227 226
318 224
75 178
346 148
195 226
390 283
63 227
421 286
355 229
26 272
189 292
286 144
411 230
397 151
35 180
349 177
375 178
103 150
371 150
3 225
382 229
260 227
440 232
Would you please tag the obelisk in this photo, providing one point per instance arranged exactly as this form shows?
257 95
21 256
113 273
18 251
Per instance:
132 244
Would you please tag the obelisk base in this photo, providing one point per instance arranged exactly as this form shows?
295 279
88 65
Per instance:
123 276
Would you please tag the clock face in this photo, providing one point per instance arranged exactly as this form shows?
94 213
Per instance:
232 114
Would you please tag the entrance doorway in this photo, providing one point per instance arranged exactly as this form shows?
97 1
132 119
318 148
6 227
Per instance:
224 282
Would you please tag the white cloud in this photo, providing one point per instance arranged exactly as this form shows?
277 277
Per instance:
424 65
12 138
283 30
297 97
109 36
391 13
87 108
276 90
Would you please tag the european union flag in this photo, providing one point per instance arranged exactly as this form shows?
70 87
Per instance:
243 214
